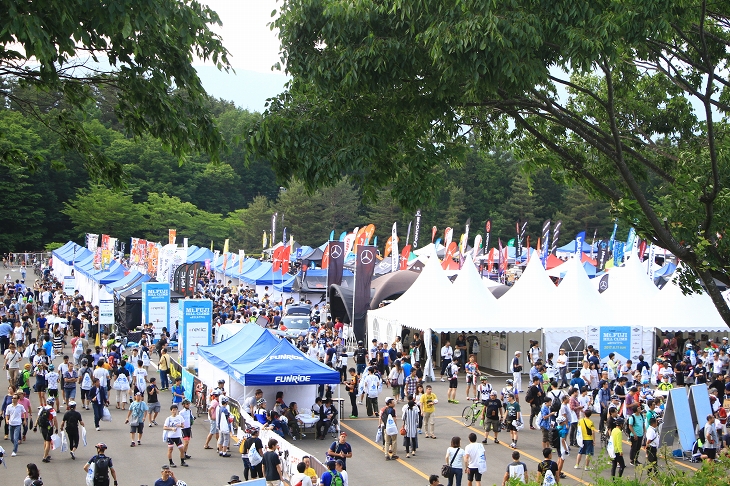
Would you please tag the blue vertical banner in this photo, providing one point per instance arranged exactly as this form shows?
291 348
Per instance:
630 241
579 239
196 322
615 339
156 305
618 253
188 383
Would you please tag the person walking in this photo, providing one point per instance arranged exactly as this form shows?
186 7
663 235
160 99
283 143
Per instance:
352 386
492 416
516 470
652 445
163 366
372 386
272 464
223 420
187 431
534 397
174 425
517 374
103 466
447 353
475 461
588 429
136 415
98 398
410 416
513 417
636 433
153 402
455 458
428 407
14 413
617 463
546 421
340 450
70 423
253 464
390 430
452 372
562 363
47 423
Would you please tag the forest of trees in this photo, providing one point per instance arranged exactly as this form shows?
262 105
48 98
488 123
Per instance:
54 199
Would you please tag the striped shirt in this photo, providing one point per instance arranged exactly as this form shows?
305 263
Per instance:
410 419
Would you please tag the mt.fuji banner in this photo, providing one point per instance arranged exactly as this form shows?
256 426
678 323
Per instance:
364 268
336 262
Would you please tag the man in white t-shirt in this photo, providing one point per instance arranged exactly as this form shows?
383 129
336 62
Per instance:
562 363
475 461
14 418
140 377
173 426
447 354
302 478
516 469
101 373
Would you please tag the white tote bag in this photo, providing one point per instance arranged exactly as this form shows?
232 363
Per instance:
90 475
55 441
390 427
579 435
106 416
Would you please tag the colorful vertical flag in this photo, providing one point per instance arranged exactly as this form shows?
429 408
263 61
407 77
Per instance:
276 258
613 234
545 248
326 256
477 247
448 235
394 260
225 255
171 235
556 236
285 257
404 257
449 256
92 241
241 259
630 241
349 242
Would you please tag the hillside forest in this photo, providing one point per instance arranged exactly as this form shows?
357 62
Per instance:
53 199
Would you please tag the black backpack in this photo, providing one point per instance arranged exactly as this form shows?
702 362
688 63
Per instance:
557 402
101 467
43 421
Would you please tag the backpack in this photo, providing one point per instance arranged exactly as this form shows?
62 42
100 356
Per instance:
556 404
336 479
79 348
86 382
101 468
722 415
628 425
531 394
21 380
43 421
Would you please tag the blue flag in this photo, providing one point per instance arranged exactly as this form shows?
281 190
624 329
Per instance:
579 239
618 253
332 235
613 235
630 240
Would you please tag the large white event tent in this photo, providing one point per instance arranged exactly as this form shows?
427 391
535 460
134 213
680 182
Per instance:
675 312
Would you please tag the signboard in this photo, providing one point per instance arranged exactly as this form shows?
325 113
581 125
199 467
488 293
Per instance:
196 321
156 304
615 339
106 312
188 383
69 285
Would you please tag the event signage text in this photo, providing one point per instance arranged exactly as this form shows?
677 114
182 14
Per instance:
156 304
196 323
106 312
69 285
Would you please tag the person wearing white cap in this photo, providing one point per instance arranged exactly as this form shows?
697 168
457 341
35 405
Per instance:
70 423
517 373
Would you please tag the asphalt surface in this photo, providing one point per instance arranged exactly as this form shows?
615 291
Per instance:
140 465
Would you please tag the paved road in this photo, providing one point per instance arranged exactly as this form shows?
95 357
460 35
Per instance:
140 465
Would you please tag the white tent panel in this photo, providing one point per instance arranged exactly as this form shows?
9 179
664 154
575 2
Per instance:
577 303
674 311
530 299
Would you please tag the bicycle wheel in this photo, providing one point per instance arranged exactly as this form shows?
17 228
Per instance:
467 416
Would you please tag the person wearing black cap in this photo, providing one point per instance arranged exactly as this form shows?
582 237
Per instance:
102 466
234 480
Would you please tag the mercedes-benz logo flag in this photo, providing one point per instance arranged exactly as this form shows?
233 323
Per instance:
364 268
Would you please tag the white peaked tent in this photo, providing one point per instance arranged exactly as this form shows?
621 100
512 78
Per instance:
418 308
475 308
674 311
532 296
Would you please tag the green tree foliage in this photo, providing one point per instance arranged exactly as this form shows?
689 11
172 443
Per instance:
137 52
582 213
101 210
601 94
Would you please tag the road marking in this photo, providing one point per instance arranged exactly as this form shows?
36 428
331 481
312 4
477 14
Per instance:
676 461
522 454
380 448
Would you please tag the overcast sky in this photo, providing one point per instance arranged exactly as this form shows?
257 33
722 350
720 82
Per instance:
254 49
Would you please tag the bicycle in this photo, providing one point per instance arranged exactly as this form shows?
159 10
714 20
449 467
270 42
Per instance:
470 413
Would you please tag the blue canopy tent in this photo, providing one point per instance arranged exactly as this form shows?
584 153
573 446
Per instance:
282 365
199 256
256 272
248 265
132 279
252 342
286 286
112 274
570 248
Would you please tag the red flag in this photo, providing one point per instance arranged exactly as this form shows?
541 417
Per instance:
490 261
642 249
285 254
528 248
449 255
326 257
404 257
277 258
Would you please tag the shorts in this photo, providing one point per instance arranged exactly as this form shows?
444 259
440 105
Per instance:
154 407
213 427
187 433
137 429
69 393
224 439
453 383
46 433
471 380
546 435
53 392
85 394
474 474
40 387
509 421
710 453
587 449
174 441
492 424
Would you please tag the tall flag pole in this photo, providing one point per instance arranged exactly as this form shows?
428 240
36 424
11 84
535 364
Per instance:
556 235
273 227
395 256
417 229
518 241
523 230
408 235
488 230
